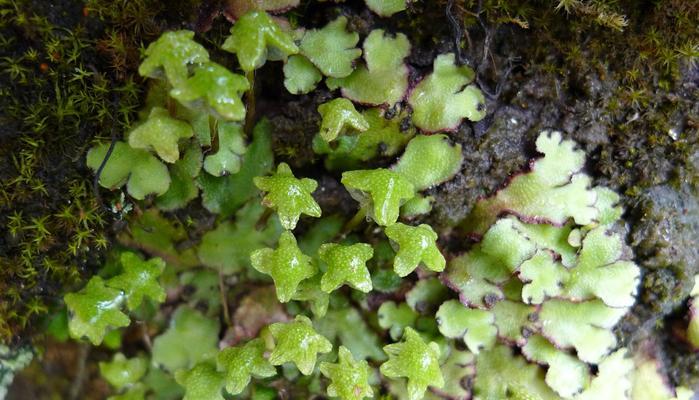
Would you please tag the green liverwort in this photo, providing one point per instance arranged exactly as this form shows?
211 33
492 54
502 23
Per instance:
251 36
287 265
139 279
416 361
242 362
338 116
161 133
172 53
297 342
380 192
349 377
94 309
416 245
346 264
288 195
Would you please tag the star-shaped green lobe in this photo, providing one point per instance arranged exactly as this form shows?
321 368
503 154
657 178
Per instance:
346 264
288 195
173 52
338 116
122 372
350 378
161 133
250 37
139 279
387 191
297 342
203 382
219 87
287 265
416 244
415 360
243 361
94 309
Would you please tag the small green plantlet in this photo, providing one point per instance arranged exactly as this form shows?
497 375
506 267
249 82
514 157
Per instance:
502 375
242 362
429 161
217 88
384 79
161 133
231 147
346 264
139 279
339 115
239 8
444 98
228 247
122 372
288 195
225 195
475 327
554 191
566 374
309 290
203 381
190 338
417 245
396 318
382 138
172 54
252 36
332 49
287 265
386 8
300 75
585 326
297 342
544 277
380 192
183 188
349 377
416 361
94 309
141 171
